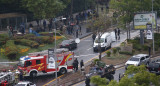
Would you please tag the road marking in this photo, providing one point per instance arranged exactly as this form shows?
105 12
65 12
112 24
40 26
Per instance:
52 80
89 48
87 40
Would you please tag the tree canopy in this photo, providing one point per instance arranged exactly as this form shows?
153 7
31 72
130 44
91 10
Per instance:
141 77
45 8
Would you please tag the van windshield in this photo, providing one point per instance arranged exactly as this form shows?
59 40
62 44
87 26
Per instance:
21 63
101 40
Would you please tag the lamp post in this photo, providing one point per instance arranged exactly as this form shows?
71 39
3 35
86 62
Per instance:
153 29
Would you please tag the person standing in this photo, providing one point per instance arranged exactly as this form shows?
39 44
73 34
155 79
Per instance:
87 81
93 37
76 64
44 25
21 76
115 31
118 34
81 64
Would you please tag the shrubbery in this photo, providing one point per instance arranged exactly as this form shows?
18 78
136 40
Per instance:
27 42
108 53
48 34
125 52
45 39
3 39
11 50
114 51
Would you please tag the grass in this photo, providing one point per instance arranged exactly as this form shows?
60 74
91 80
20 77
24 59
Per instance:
116 56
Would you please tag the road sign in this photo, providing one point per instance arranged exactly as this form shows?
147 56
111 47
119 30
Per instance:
149 31
77 40
51 59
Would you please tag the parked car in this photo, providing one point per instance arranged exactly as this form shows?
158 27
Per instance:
105 42
154 67
137 60
70 44
25 83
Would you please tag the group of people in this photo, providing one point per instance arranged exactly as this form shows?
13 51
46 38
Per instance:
117 34
75 64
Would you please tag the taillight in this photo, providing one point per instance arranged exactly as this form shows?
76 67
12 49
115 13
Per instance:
159 69
67 44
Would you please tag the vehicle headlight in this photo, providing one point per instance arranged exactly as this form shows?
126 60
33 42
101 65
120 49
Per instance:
135 64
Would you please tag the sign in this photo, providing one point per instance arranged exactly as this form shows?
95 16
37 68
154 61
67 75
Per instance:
149 31
142 19
51 59
77 40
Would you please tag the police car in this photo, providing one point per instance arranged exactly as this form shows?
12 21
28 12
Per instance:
25 83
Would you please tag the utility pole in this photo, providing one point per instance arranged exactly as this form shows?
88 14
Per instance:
153 30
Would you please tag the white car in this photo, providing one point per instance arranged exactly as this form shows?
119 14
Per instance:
25 83
137 60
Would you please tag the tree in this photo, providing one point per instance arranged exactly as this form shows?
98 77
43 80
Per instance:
97 80
43 9
141 77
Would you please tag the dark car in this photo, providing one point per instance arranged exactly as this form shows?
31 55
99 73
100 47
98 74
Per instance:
70 44
154 67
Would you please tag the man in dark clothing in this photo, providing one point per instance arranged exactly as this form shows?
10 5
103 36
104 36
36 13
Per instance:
81 63
93 37
118 34
115 30
44 25
21 76
87 81
76 64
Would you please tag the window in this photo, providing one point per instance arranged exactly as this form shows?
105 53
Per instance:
142 58
28 63
38 61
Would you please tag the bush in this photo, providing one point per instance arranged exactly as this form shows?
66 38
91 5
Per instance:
145 47
114 51
97 80
27 42
3 39
96 60
45 39
11 50
125 52
108 53
133 51
118 49
137 47
48 34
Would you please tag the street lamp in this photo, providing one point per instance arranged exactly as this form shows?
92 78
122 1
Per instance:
153 29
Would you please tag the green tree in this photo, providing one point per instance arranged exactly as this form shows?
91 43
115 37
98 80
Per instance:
43 9
141 77
97 80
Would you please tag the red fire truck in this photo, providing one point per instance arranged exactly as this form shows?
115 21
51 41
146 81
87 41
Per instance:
40 63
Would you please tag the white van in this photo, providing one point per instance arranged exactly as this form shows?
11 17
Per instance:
105 42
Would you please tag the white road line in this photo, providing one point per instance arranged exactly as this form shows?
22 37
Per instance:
89 48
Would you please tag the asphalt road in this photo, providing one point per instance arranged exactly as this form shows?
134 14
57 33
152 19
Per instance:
83 52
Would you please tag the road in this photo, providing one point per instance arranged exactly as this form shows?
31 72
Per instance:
83 52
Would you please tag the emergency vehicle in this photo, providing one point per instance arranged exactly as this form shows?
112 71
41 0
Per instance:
40 62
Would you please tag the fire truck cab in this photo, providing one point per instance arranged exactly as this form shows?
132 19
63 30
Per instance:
39 62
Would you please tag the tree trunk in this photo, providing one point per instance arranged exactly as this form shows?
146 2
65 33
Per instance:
99 46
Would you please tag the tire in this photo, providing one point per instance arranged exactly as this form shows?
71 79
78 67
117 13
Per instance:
63 70
33 74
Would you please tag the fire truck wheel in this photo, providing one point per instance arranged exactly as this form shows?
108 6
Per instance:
63 70
33 74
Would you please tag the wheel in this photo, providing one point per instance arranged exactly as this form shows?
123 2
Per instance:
33 74
63 70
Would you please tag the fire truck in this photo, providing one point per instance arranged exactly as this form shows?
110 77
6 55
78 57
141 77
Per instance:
40 63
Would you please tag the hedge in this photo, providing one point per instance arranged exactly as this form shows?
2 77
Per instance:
48 34
45 39
11 50
125 52
3 39
27 42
